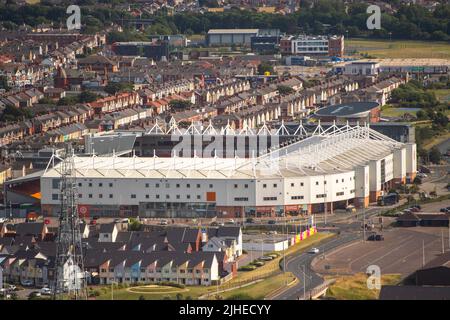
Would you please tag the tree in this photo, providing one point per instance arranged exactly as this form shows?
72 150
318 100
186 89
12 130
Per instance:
134 225
87 96
284 90
180 104
417 181
435 155
115 87
4 83
264 67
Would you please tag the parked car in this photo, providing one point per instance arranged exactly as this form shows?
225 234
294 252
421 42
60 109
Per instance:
271 222
379 237
27 283
46 291
314 250
272 232
250 220
375 237
163 222
34 294
266 258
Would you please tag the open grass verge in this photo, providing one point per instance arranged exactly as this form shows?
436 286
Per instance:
354 287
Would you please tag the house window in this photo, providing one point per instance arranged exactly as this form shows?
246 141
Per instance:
246 186
339 193
80 184
80 195
110 184
167 196
325 182
55 196
320 196
90 195
301 184
188 185
188 196
167 185
296 197
100 196
235 186
264 185
198 186
177 185
210 186
198 197
241 199
133 196
147 185
269 198
110 196
157 196
317 183
292 185
157 185
100 184
90 184
337 181
342 180
111 269
55 183
275 185
178 196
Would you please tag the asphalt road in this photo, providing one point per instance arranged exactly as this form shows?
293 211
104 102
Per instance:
349 231
312 280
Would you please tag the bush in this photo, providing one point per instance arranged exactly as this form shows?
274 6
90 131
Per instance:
247 268
141 297
240 296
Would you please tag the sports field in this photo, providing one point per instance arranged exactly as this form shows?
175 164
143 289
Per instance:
398 49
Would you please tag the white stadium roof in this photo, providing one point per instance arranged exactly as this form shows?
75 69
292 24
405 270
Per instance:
322 152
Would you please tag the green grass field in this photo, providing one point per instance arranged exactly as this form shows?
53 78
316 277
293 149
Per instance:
442 95
354 287
400 49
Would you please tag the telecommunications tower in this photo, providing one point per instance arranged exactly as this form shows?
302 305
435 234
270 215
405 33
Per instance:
69 274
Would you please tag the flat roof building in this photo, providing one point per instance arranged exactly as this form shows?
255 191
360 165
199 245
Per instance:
355 111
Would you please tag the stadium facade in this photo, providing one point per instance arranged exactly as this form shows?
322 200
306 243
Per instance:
323 170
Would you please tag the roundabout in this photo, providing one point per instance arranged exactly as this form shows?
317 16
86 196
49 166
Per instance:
156 289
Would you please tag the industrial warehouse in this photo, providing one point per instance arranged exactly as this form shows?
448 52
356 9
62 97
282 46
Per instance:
324 169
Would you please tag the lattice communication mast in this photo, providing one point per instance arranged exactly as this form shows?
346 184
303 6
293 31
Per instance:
69 273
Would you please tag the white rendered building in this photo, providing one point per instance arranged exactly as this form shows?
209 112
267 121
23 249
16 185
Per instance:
336 167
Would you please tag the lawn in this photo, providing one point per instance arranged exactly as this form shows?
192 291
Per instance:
392 112
261 289
442 95
354 287
400 49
